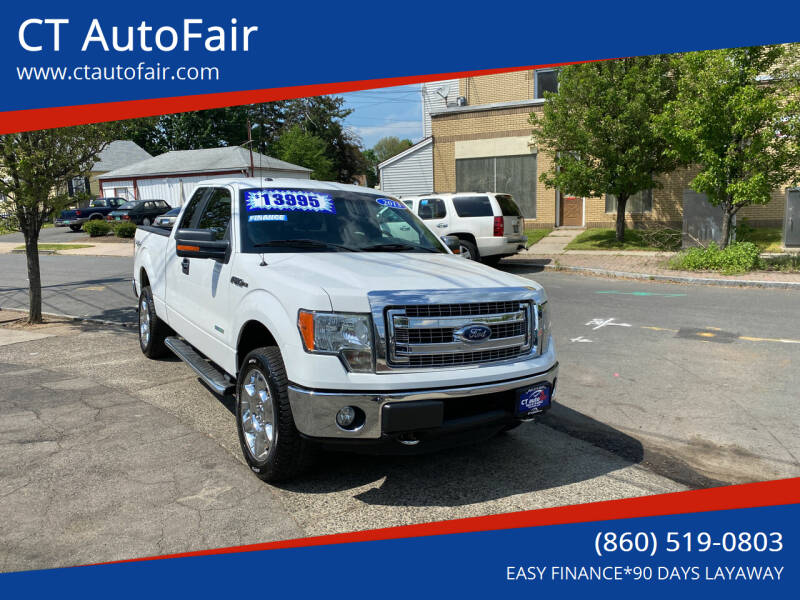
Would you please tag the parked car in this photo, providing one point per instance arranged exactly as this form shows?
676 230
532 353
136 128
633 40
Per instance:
333 330
98 208
141 212
489 225
168 218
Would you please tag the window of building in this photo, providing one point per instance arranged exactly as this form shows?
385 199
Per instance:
545 80
473 206
78 185
640 202
514 175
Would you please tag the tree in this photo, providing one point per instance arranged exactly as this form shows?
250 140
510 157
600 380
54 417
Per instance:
737 116
371 161
323 116
387 147
35 168
599 128
302 148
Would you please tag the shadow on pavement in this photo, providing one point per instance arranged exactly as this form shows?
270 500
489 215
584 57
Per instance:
527 459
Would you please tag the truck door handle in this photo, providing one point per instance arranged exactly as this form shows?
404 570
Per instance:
185 266
442 225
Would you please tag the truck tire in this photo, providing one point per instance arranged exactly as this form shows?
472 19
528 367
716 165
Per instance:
75 227
271 444
152 330
469 250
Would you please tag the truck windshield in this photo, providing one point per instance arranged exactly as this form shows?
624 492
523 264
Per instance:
293 220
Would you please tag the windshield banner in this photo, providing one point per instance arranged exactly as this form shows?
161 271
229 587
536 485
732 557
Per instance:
283 200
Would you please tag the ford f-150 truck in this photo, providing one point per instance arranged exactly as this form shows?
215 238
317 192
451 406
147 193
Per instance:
335 327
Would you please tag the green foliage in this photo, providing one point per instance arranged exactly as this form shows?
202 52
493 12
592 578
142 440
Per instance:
786 264
534 235
302 148
97 228
738 257
599 127
737 115
389 146
321 117
124 229
371 162
654 240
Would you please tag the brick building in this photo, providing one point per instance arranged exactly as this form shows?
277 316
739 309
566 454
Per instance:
485 143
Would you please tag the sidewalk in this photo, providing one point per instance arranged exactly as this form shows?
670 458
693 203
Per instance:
646 265
551 253
104 249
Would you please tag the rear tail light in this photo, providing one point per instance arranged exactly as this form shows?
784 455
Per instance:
126 217
499 228
108 217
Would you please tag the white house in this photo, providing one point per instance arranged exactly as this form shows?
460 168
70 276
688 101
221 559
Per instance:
173 176
410 172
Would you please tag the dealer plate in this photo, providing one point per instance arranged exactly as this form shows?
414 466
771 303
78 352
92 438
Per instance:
533 399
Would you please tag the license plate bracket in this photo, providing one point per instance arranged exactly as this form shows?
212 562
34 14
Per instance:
533 399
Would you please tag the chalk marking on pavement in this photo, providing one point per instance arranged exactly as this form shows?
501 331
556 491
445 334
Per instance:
639 293
91 288
759 339
580 338
744 338
599 323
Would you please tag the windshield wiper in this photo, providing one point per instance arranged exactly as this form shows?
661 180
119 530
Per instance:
303 243
395 248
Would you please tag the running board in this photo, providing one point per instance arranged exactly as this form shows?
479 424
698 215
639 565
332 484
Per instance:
211 376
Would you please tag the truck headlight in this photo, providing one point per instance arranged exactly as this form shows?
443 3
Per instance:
348 336
542 328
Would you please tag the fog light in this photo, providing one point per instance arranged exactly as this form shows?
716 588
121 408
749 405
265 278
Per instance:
346 417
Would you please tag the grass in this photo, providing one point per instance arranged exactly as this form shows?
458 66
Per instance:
768 239
785 264
605 239
534 235
57 246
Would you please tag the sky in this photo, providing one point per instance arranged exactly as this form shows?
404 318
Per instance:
387 111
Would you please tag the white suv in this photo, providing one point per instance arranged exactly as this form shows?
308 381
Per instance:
489 225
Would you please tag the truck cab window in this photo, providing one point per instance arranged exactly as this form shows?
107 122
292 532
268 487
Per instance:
217 213
194 202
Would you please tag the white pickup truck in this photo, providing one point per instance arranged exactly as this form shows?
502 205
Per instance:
339 320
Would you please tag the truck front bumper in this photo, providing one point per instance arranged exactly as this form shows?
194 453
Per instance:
412 414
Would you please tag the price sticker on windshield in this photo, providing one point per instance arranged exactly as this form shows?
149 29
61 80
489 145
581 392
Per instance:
391 203
289 200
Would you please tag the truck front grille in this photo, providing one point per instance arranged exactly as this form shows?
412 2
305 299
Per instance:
427 335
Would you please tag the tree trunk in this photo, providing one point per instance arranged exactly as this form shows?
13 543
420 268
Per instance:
622 202
31 233
727 219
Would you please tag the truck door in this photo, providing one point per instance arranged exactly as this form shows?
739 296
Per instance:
198 289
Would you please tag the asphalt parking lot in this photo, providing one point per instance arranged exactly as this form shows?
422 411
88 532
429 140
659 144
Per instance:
107 455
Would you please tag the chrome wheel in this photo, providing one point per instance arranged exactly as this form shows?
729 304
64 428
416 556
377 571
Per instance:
257 414
465 252
144 323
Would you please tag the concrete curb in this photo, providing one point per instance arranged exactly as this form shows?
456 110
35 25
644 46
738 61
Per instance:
74 318
749 283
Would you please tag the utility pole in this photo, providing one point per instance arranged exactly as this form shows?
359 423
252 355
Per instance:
250 146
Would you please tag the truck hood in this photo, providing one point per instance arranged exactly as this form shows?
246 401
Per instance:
348 277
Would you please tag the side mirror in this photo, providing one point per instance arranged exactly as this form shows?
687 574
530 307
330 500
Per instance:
453 243
201 243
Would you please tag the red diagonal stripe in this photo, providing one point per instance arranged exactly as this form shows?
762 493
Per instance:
750 495
65 116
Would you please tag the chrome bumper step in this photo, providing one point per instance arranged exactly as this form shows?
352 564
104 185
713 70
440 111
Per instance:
211 376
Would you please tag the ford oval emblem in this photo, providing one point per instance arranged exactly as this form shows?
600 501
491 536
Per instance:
474 332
